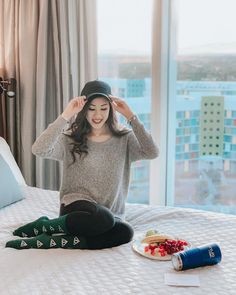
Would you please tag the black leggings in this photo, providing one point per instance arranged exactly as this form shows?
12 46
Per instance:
97 224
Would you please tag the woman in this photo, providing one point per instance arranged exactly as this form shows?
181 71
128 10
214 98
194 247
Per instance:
97 154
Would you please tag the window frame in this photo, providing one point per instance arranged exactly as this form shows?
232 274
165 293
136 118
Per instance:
162 169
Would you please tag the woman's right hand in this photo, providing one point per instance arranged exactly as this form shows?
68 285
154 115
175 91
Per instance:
74 106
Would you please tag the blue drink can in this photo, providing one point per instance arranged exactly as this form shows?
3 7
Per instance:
200 256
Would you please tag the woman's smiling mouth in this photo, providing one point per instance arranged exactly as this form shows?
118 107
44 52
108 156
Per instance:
96 121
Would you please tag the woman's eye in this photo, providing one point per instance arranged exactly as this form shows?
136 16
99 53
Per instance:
94 109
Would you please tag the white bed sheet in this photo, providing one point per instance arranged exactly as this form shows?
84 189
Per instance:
117 270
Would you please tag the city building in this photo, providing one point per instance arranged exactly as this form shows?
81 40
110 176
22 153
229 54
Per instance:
188 98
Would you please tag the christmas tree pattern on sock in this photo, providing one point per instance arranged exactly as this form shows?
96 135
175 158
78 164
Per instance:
42 225
45 241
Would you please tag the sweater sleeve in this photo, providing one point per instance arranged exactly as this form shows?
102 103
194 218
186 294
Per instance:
140 143
50 143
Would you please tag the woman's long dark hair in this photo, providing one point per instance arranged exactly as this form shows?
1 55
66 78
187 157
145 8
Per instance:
80 128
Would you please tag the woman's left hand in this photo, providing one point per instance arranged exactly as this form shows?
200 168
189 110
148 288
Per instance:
121 106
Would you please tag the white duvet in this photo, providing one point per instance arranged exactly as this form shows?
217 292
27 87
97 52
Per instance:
117 270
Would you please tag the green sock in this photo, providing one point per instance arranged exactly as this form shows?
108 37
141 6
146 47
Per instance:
42 225
45 241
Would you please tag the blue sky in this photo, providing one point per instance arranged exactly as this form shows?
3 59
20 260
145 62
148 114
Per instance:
125 25
203 22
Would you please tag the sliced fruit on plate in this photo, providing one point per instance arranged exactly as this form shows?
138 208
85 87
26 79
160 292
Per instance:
167 247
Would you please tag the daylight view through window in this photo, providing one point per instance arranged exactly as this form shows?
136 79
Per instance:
205 153
124 61
205 96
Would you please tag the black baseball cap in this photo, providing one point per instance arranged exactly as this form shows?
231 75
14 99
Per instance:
96 88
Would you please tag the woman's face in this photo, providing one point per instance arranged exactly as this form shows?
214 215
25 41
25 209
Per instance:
98 112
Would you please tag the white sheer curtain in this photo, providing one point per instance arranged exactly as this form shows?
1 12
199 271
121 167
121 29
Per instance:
52 52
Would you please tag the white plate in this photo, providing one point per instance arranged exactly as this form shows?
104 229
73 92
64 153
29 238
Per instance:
139 248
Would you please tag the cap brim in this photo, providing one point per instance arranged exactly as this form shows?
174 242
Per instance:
97 94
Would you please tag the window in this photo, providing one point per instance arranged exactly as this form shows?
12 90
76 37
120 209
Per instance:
204 59
124 61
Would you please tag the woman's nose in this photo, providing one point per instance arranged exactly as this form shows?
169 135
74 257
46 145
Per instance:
97 113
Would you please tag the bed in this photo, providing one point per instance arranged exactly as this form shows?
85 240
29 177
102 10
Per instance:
117 270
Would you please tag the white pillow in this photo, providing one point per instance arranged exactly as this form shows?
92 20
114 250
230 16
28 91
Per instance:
10 190
8 157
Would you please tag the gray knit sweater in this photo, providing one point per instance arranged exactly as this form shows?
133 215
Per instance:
103 174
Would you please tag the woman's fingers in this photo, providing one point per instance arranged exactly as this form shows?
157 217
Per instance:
114 103
121 106
80 98
75 105
114 98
